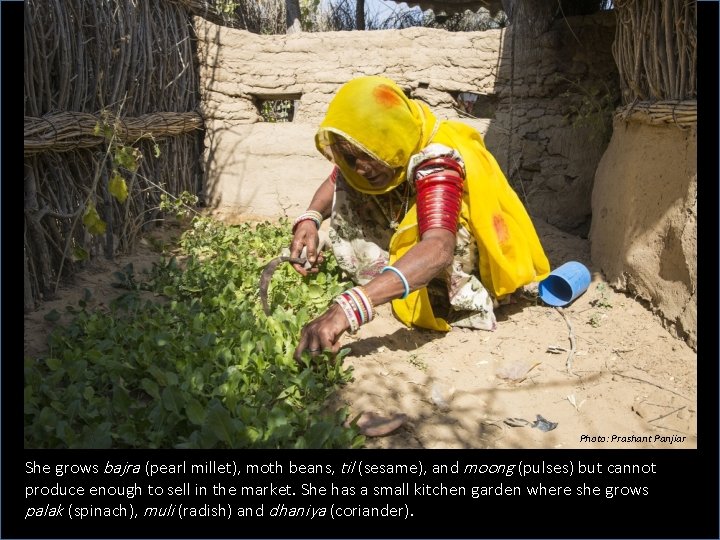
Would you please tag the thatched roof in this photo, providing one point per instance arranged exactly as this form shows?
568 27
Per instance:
453 6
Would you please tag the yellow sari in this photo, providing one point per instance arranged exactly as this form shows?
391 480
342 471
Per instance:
374 114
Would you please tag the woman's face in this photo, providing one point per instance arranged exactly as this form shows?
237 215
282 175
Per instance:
376 173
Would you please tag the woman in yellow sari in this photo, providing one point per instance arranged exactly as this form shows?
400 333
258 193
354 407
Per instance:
421 215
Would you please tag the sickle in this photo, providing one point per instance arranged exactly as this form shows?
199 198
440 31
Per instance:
266 276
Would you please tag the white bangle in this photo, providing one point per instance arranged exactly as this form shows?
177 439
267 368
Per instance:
361 309
402 277
309 215
365 300
344 303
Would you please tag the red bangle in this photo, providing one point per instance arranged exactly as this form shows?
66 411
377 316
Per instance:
439 199
351 303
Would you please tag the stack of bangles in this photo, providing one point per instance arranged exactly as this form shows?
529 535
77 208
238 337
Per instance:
357 307
308 215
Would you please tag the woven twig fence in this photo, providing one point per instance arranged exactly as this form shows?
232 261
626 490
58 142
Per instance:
100 75
655 49
61 132
680 113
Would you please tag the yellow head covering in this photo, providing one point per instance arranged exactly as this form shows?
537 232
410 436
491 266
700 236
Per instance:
374 114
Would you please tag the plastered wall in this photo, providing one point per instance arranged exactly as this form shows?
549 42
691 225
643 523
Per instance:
534 93
644 228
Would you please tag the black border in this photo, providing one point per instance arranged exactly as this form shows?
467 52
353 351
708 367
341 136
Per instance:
684 496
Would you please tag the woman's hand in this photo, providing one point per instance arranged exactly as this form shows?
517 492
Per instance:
323 334
305 244
306 232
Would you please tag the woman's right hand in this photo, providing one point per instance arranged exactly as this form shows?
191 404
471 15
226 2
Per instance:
323 333
306 238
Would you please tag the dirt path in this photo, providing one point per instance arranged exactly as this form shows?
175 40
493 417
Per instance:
629 376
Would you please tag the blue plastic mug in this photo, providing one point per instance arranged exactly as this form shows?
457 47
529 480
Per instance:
564 284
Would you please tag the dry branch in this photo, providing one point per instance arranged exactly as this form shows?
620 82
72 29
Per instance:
62 132
207 9
655 49
681 113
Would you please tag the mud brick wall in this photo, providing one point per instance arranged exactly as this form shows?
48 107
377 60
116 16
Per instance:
534 106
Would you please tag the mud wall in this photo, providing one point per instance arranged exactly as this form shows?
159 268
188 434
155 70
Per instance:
540 107
644 228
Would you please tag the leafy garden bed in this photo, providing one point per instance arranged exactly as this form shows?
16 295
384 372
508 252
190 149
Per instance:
185 357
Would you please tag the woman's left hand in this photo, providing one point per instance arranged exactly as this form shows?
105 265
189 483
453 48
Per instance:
323 333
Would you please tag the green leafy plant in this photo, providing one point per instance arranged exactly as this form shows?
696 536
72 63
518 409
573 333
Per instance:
419 363
280 110
181 206
125 158
596 319
227 7
602 302
186 358
308 14
589 106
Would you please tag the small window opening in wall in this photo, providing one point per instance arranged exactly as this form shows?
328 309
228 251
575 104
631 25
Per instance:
276 108
476 105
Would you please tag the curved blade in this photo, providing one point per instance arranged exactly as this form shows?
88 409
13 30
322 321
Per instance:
266 277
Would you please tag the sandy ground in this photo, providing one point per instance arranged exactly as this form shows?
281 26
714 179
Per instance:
628 376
